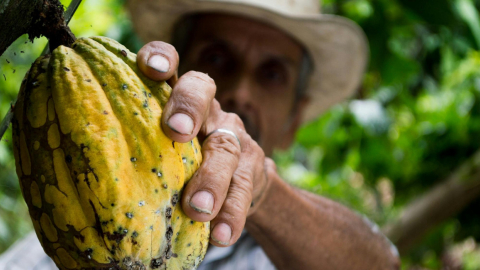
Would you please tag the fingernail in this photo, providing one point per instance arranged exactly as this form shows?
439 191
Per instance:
159 63
222 234
181 123
202 202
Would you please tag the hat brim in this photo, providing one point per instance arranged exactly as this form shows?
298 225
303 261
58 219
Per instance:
337 46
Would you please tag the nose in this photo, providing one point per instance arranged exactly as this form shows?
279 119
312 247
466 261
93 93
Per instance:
238 98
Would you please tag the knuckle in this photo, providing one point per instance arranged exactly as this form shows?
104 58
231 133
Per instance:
216 175
239 199
203 77
235 206
223 143
189 102
251 147
243 178
235 119
217 108
160 46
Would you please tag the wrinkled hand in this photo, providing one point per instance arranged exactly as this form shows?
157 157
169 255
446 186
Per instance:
230 182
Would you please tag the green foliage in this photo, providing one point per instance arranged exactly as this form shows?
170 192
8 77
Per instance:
415 119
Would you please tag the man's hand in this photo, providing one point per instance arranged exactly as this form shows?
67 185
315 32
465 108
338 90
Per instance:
230 182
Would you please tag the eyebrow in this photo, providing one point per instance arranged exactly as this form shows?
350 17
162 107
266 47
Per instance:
212 39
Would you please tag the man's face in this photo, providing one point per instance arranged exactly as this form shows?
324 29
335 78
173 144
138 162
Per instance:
255 68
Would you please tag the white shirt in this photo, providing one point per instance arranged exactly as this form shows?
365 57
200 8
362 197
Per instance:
245 254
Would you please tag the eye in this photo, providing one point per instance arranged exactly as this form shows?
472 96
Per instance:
273 73
215 59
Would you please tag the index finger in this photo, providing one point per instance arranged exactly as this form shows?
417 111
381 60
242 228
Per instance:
158 60
188 106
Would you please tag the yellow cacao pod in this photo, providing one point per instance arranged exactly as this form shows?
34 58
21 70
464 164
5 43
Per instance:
101 180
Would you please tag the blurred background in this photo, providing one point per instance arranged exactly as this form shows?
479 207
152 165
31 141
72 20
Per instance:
404 152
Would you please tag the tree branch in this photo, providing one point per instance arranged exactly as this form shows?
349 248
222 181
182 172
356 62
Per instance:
35 18
435 206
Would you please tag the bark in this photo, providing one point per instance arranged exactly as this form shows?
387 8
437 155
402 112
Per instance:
436 205
35 18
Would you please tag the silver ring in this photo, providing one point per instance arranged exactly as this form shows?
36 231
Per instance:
227 131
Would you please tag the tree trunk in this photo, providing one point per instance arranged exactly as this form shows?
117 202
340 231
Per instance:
436 205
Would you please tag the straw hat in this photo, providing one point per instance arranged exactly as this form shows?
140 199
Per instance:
337 46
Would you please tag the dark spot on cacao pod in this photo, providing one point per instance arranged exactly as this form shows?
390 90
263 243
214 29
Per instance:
66 69
7 61
156 263
88 80
125 231
82 146
68 159
165 186
191 221
104 223
141 203
189 244
22 52
154 170
116 179
135 113
124 86
149 94
252 204
184 160
173 144
191 162
124 53
133 159
105 112
168 212
169 233
112 204
168 255
134 234
151 227
104 84
127 261
145 104
175 199
14 71
156 190
174 255
117 236
88 253
129 215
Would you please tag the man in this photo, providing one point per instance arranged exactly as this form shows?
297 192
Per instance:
272 65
